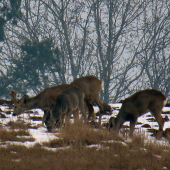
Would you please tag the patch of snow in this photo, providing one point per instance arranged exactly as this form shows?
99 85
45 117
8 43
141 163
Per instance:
42 135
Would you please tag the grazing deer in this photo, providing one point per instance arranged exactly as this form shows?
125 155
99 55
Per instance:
137 105
107 110
91 86
43 100
71 100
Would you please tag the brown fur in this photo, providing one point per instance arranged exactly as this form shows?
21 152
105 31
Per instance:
43 100
137 105
91 86
71 100
107 110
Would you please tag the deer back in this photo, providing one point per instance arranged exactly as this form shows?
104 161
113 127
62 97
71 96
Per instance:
138 104
90 85
144 101
70 99
43 100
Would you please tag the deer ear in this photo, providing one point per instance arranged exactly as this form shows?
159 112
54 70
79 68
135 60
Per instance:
13 94
25 98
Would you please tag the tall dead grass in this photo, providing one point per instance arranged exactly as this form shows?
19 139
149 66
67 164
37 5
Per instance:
17 132
78 134
18 125
89 149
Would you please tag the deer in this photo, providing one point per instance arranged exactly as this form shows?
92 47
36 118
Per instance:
107 110
138 104
91 86
71 100
43 100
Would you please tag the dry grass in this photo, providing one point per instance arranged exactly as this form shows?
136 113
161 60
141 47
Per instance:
117 156
13 135
89 149
79 134
18 125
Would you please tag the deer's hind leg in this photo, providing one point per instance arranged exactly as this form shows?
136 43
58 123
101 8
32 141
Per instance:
76 115
156 112
91 113
100 105
160 120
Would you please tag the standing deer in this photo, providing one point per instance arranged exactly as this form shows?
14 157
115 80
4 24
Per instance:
71 100
91 86
43 100
137 105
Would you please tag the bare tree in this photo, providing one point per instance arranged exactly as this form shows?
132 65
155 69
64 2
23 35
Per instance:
156 40
114 22
72 29
124 43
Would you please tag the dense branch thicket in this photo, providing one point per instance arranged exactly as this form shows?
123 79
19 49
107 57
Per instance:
47 42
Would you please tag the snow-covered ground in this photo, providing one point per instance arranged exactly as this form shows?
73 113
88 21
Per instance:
42 135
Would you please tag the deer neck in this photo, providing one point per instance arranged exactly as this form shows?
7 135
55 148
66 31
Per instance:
37 103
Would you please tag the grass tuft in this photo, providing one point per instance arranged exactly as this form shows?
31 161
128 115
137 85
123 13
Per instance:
78 134
18 125
89 148
12 135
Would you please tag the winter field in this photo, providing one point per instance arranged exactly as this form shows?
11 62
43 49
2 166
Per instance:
26 144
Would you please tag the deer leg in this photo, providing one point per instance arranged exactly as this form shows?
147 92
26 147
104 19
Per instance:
91 111
82 109
61 120
76 115
111 123
68 115
160 121
156 112
83 113
116 125
100 105
132 125
45 116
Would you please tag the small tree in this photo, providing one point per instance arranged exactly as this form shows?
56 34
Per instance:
37 62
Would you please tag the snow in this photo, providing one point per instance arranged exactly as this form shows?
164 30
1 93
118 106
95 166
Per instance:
42 135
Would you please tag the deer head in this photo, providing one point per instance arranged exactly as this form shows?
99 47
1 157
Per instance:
42 100
50 121
71 100
20 105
